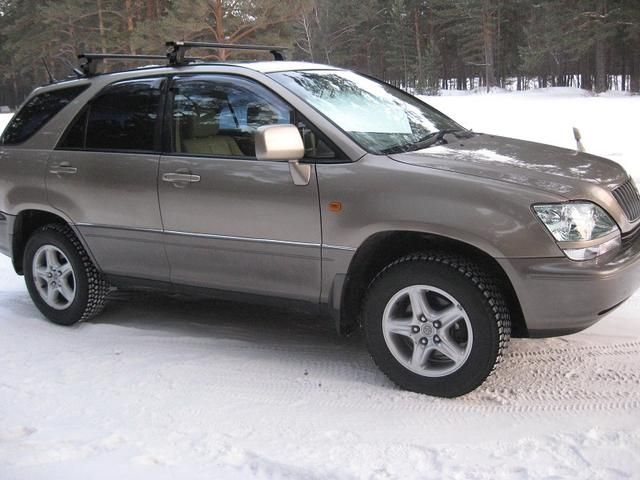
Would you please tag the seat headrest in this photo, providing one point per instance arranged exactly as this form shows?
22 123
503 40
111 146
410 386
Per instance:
205 126
261 114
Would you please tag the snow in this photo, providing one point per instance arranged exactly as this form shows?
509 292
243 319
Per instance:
4 119
164 387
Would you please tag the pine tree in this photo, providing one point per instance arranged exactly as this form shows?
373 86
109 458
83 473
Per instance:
418 44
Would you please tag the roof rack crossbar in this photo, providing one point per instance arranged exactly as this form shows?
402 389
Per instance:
177 50
175 54
92 60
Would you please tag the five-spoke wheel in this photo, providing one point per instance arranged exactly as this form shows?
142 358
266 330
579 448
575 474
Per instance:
54 277
435 323
427 330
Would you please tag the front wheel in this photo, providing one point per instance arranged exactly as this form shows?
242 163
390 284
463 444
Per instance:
435 324
61 279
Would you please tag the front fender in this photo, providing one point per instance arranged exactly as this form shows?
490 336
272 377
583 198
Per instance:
378 194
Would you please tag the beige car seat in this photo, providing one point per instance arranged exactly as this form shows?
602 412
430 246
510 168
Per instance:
202 138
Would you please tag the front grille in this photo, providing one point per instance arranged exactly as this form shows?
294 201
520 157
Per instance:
629 199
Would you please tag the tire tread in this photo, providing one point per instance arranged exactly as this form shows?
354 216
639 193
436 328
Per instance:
483 281
97 286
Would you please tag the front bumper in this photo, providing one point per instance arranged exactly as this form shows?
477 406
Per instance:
6 233
559 296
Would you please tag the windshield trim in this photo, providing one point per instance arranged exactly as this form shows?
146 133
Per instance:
274 77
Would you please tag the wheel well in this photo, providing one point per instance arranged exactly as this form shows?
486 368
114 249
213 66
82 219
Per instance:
381 249
26 223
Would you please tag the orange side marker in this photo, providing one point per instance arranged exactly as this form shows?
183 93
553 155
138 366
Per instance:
335 207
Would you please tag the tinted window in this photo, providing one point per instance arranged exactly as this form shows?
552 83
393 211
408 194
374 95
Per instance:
124 116
219 115
38 111
75 135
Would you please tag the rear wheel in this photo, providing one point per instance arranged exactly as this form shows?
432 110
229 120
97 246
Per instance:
61 279
435 324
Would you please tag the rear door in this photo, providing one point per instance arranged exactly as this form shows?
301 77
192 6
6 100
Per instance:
103 175
233 222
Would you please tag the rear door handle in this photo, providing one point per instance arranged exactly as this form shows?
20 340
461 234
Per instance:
180 178
63 168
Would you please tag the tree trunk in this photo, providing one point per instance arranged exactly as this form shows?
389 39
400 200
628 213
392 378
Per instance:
14 80
634 74
624 67
130 24
585 75
601 66
151 9
218 15
103 46
601 50
488 39
420 72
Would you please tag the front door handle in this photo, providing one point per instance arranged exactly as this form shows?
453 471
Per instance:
180 178
64 168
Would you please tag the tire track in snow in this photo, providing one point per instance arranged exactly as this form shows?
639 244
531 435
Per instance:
576 379
289 359
624 348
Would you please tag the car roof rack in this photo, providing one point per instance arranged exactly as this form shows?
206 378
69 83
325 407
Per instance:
175 54
177 50
92 60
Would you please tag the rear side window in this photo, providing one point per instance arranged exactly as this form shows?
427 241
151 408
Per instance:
124 116
37 112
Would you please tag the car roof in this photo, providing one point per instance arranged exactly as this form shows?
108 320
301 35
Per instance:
264 67
282 66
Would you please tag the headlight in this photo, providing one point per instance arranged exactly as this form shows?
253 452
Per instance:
583 230
576 222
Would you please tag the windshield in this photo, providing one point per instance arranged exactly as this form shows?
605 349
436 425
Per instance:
380 118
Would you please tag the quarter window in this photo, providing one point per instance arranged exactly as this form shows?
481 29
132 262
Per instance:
37 112
218 115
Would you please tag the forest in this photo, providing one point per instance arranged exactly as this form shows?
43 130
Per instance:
421 45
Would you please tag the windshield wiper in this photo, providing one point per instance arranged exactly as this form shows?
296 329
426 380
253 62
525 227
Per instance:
424 142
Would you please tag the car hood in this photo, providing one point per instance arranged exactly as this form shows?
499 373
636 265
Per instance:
568 173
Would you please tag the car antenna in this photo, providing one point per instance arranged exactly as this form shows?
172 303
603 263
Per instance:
46 67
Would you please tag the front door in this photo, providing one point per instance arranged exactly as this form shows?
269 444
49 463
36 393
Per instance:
232 222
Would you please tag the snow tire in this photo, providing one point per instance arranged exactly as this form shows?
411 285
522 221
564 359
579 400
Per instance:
90 285
476 291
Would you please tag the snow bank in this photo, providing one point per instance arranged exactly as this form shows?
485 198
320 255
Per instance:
174 387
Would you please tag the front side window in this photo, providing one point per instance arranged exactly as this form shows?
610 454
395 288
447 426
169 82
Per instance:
37 112
123 117
378 117
218 115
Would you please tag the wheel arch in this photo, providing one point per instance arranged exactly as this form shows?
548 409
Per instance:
28 221
382 248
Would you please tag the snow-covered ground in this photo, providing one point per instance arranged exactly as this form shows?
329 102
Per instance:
176 387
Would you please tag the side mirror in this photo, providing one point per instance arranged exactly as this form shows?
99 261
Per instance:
279 142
